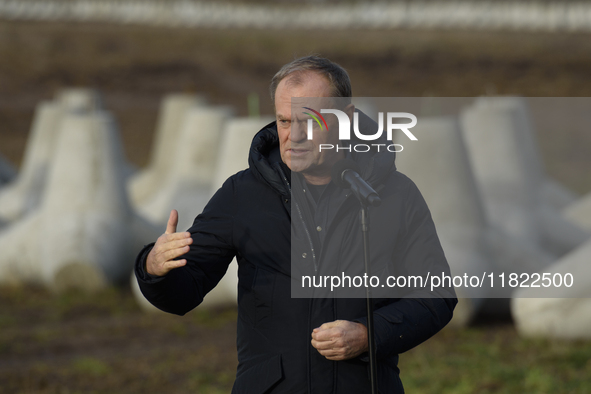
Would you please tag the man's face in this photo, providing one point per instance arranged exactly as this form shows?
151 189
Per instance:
297 151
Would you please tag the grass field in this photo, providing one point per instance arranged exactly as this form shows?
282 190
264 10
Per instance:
78 343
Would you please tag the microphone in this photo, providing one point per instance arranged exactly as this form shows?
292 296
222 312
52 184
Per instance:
345 174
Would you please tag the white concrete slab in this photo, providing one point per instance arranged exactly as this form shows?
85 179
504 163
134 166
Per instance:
79 99
187 185
81 235
235 147
23 195
518 196
556 195
439 165
172 112
579 212
565 312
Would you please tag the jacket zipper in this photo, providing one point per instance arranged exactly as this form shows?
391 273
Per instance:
308 236
288 185
311 244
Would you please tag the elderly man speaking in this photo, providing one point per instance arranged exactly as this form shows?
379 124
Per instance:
290 344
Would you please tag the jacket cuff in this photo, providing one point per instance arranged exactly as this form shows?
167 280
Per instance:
140 266
365 355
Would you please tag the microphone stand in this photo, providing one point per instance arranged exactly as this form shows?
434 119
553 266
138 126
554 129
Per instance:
345 175
370 326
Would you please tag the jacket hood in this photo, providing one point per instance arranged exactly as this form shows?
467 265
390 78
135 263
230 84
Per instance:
265 162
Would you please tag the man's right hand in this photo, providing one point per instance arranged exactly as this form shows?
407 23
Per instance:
168 247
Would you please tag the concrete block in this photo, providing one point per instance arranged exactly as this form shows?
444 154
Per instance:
506 169
518 196
556 195
439 165
579 212
187 186
83 233
559 235
23 195
235 147
172 112
79 99
509 255
86 198
565 312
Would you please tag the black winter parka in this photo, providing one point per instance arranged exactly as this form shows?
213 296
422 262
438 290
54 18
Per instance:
250 217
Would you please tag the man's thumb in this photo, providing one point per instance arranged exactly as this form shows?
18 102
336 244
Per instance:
173 220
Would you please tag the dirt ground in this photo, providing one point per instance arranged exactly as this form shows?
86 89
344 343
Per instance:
77 343
103 343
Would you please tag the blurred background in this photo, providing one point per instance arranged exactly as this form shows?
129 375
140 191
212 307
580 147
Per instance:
136 53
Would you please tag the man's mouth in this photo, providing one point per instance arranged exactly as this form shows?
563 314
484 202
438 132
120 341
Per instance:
298 151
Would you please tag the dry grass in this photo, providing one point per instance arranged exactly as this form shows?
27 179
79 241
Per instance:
77 343
103 343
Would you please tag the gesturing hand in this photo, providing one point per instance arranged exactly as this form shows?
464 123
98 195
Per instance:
168 247
340 339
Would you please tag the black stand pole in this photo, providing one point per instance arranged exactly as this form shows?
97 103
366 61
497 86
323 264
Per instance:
370 327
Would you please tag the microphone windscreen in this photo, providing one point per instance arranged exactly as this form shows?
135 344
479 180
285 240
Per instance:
338 169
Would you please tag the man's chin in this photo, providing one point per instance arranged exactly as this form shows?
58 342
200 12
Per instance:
297 165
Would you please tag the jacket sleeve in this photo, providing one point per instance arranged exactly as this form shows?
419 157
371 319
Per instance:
183 288
404 323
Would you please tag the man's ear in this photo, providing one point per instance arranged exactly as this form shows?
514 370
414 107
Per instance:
349 110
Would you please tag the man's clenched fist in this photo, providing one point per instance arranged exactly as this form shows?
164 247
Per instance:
340 339
168 247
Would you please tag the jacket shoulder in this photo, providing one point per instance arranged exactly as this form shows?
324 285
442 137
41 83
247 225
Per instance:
242 180
397 181
244 187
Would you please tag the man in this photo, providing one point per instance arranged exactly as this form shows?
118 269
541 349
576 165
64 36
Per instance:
302 345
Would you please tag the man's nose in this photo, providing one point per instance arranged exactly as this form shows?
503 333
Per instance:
298 131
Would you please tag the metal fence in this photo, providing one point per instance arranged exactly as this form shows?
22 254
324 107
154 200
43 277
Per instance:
471 15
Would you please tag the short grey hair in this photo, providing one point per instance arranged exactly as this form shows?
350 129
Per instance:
336 75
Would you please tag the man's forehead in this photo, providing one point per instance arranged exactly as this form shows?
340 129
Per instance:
308 84
308 77
308 89
297 106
